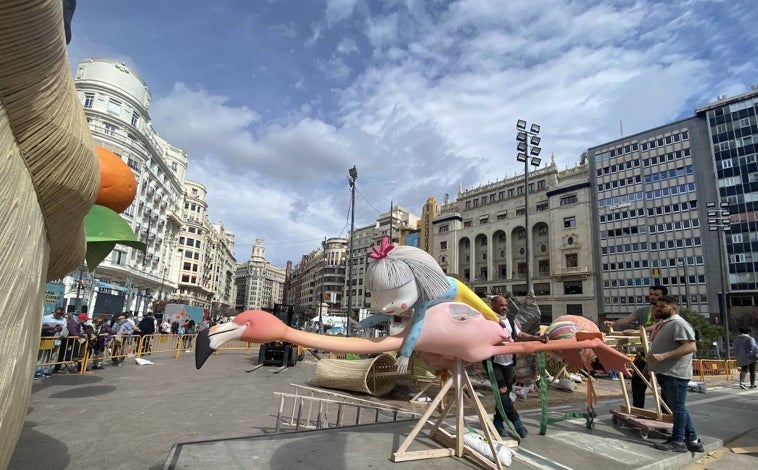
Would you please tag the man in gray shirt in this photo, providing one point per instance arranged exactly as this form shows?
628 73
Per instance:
670 357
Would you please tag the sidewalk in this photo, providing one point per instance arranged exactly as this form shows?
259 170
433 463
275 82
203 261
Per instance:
131 417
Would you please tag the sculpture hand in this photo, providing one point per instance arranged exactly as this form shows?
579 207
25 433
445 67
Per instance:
402 364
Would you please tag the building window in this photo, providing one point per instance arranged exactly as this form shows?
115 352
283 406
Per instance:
118 257
542 288
541 184
114 107
135 118
444 228
110 129
572 260
89 100
572 287
443 245
567 200
542 206
569 222
467 224
574 309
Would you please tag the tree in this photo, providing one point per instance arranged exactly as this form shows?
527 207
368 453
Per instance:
704 330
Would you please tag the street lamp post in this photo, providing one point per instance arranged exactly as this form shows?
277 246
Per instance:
353 175
719 221
321 296
527 142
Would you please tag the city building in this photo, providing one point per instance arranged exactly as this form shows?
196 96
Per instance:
733 130
320 275
425 224
653 189
259 284
650 193
116 102
480 239
220 251
207 263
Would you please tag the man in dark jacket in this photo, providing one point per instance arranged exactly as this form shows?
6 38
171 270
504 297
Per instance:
147 330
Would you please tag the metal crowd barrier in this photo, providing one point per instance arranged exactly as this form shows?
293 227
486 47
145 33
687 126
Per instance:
712 367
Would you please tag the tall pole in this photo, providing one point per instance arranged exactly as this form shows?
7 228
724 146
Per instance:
353 175
321 296
529 288
719 221
724 286
391 219
528 152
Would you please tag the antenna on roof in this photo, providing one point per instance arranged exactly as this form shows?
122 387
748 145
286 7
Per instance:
621 127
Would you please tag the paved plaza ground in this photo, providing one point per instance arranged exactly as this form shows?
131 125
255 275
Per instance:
131 417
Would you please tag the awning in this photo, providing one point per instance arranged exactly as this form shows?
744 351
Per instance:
105 285
375 319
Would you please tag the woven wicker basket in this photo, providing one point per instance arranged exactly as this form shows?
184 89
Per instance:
376 376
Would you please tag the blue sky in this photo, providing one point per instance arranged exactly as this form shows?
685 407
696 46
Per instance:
275 100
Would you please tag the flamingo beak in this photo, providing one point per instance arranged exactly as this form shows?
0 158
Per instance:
212 338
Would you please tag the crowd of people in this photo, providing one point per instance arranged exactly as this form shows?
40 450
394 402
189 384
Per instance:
67 337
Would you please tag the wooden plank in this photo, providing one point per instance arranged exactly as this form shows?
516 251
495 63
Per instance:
666 418
422 454
745 450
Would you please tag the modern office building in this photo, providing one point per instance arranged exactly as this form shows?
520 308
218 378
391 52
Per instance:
480 238
653 189
650 192
733 137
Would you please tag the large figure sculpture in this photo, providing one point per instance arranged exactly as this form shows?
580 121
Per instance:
405 279
50 180
451 331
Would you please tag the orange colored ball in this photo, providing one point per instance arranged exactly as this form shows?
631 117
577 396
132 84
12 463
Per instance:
118 187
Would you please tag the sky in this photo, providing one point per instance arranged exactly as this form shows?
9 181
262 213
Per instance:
275 100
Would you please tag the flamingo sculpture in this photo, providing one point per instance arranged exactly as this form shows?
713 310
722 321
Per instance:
450 332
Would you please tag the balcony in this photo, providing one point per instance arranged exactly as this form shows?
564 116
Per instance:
573 271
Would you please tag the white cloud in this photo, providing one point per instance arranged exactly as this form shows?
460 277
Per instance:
434 100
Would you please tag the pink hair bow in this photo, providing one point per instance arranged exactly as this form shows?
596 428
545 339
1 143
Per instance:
383 250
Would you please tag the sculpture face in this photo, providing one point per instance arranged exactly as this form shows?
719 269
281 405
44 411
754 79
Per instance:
395 301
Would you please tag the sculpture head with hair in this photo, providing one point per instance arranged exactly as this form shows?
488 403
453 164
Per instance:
399 276
407 279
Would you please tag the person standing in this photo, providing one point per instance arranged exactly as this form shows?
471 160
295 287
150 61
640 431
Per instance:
745 354
503 369
643 316
670 357
122 329
52 326
146 329
102 333
165 326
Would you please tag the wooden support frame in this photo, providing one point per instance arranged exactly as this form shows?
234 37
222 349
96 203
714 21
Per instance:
454 444
657 414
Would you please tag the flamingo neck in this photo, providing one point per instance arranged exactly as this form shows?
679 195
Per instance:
344 344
